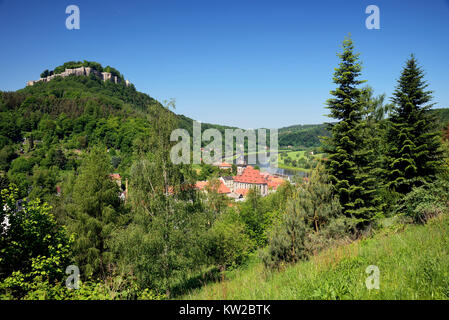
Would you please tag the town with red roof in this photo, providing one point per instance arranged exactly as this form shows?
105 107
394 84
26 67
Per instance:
238 186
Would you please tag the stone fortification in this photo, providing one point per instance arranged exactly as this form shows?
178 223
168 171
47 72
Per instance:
81 71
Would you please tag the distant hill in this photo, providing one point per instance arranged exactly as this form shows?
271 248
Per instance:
305 136
308 135
442 115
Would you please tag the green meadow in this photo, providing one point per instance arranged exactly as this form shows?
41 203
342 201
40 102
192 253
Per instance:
413 261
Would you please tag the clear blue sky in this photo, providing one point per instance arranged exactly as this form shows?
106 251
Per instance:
248 63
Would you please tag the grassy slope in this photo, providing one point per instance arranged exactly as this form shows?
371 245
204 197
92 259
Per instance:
413 263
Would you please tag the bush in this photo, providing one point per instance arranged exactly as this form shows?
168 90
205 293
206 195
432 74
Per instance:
286 241
31 244
311 221
226 242
257 218
425 202
337 228
42 289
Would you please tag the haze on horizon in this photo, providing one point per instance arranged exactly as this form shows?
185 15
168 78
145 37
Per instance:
241 63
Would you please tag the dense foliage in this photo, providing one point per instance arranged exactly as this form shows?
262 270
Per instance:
32 245
311 219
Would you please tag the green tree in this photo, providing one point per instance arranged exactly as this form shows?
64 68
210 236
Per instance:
32 244
286 241
95 212
349 166
45 74
7 155
43 183
161 243
256 217
316 200
227 244
216 202
310 221
58 158
413 154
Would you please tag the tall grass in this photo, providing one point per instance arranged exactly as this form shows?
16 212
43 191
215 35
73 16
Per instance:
413 263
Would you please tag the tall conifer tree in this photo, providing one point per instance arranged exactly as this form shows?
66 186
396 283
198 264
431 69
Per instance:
349 167
413 153
95 211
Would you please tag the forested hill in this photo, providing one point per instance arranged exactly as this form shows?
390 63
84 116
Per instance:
54 122
302 135
442 116
308 135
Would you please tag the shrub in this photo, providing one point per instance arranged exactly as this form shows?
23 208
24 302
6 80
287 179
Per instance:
42 289
425 202
256 217
311 221
337 228
286 241
226 242
32 245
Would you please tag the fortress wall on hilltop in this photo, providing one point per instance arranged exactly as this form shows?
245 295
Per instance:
81 71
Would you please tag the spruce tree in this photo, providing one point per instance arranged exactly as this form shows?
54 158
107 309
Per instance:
413 154
349 166
94 212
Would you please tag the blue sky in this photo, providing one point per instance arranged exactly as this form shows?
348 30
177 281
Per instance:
246 63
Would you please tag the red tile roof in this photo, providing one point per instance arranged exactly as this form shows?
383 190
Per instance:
115 176
274 184
224 164
182 187
201 185
223 188
250 175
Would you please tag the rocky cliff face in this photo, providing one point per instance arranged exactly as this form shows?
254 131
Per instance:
81 71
